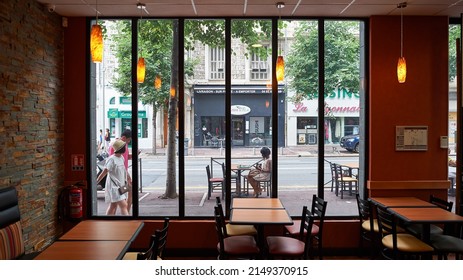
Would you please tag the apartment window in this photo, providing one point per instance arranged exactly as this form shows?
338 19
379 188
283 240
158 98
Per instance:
217 64
259 68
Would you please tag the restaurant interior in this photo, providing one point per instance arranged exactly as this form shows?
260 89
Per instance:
45 61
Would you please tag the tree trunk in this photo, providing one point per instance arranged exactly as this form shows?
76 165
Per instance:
171 178
154 120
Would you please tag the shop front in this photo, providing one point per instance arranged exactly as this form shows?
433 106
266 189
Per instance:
251 120
342 116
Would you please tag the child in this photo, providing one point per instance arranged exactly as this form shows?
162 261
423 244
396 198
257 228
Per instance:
117 176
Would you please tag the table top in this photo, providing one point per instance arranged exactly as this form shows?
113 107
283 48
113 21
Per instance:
253 216
426 215
104 230
256 203
401 201
235 166
351 165
84 250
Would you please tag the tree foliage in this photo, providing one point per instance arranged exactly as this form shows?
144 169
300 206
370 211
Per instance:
342 58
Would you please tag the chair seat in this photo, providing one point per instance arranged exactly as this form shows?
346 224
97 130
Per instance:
294 229
407 243
233 230
240 245
283 245
447 243
132 256
216 179
367 227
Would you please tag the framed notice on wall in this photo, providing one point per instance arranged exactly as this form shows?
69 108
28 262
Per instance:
411 138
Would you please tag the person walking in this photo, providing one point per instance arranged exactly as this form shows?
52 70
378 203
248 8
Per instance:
107 139
117 175
126 136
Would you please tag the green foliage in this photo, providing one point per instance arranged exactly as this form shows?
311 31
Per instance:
454 33
342 58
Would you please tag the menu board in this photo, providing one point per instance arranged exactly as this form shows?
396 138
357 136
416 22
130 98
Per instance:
411 138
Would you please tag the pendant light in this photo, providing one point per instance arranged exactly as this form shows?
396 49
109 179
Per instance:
96 40
280 64
157 82
401 64
141 68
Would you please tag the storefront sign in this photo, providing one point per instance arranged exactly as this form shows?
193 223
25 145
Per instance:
239 110
114 113
125 100
235 90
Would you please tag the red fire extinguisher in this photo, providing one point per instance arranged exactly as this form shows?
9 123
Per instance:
75 202
70 202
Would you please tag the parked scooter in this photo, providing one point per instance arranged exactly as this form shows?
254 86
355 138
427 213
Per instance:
101 161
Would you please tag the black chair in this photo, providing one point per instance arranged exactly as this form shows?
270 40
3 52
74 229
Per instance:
11 232
416 229
318 210
233 247
155 251
344 181
233 230
369 229
214 183
286 247
399 245
445 244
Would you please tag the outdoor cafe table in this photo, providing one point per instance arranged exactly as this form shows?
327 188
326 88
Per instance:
104 230
402 201
239 168
85 250
426 216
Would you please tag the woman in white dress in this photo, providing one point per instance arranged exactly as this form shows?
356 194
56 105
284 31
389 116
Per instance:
262 172
117 176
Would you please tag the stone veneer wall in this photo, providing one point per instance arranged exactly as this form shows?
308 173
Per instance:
31 114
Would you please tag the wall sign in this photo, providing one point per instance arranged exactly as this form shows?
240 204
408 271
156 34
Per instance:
411 138
239 110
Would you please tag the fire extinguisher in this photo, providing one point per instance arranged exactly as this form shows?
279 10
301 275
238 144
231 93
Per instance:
70 202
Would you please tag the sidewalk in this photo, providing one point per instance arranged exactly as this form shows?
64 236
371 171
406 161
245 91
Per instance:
295 151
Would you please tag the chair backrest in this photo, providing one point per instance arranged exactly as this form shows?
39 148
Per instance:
319 208
302 228
158 242
444 204
11 235
208 171
220 228
306 224
386 222
364 207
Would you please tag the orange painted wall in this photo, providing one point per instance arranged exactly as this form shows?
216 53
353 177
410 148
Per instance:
422 100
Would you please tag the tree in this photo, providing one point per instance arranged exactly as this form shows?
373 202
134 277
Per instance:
342 56
454 33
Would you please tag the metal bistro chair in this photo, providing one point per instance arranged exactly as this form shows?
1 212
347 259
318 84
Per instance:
214 183
369 229
155 251
233 230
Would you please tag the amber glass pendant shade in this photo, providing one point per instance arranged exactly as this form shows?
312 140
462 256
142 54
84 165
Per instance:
280 68
401 70
96 43
141 70
157 82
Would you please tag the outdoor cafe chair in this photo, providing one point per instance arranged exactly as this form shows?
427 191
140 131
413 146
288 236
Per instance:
344 181
214 183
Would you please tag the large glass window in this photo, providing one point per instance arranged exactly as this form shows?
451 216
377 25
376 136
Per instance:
187 116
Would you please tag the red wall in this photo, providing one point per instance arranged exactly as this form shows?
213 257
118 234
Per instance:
421 100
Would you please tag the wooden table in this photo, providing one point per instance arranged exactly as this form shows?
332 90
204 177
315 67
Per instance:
262 203
426 216
85 250
259 217
104 230
402 201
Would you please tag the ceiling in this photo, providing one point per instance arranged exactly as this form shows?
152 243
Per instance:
253 8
